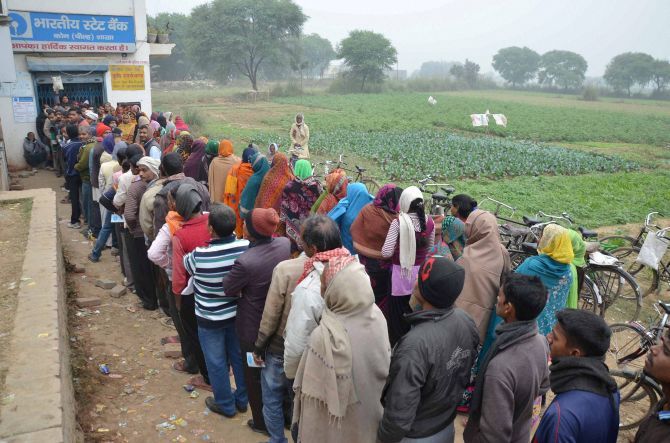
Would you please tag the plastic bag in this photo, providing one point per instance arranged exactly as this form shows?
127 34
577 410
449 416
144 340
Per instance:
652 250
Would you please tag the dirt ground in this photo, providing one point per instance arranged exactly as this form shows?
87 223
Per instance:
15 220
142 391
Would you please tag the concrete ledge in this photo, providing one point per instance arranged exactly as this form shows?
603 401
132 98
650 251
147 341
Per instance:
39 375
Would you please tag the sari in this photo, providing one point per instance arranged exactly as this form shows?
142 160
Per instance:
180 124
269 195
194 166
348 209
260 167
453 238
183 145
579 249
219 170
336 190
235 183
297 199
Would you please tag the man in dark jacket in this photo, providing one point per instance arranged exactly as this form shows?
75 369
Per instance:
586 406
431 364
514 371
250 278
151 146
73 180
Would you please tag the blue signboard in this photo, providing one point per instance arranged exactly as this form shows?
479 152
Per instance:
55 32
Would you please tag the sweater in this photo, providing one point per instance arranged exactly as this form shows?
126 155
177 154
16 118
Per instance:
131 211
208 266
82 165
278 305
579 417
147 208
250 279
192 234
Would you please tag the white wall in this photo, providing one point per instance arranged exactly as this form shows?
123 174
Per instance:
15 132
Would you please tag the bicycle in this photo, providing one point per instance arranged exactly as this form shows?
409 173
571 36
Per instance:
370 183
440 199
612 242
631 341
638 396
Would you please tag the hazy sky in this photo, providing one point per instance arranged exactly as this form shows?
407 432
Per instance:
456 29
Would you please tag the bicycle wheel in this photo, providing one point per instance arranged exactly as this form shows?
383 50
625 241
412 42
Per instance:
620 293
516 258
612 242
638 398
629 345
371 184
588 297
645 276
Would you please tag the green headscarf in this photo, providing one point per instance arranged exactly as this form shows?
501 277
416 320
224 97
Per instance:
212 148
302 169
579 249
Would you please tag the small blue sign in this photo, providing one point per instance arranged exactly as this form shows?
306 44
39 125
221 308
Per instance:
55 32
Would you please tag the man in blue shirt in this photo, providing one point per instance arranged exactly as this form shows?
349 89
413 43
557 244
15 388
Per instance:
586 406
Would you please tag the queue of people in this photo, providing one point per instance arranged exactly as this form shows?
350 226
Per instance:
342 316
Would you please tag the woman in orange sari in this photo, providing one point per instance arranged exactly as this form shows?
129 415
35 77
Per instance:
336 190
235 183
269 195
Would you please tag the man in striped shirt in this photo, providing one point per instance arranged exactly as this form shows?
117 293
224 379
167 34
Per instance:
216 312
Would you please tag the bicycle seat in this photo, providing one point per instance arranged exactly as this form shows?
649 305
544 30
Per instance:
438 196
449 190
359 169
665 306
529 247
587 233
513 231
530 221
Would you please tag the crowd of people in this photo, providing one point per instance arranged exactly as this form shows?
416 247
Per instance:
342 316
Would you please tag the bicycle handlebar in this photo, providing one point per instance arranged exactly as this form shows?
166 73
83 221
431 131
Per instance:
499 203
647 220
564 216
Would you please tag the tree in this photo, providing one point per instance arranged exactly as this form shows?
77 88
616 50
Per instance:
516 65
435 69
367 55
318 52
563 68
470 73
661 75
177 65
240 35
628 69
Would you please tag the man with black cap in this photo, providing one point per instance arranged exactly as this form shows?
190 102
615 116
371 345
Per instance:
250 278
514 371
431 364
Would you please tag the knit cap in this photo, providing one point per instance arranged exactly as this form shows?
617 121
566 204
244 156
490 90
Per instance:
440 281
262 223
101 128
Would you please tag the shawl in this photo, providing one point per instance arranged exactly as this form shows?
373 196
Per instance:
108 143
453 234
154 115
272 150
162 121
583 374
557 278
167 137
555 242
342 372
168 116
260 167
323 256
155 128
219 169
269 195
174 221
336 190
180 125
368 232
297 199
348 209
235 183
127 131
212 147
193 167
249 153
183 145
579 249
485 260
406 228
302 169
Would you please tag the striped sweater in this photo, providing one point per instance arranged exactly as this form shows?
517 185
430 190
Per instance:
207 266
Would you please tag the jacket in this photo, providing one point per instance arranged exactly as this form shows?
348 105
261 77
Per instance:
71 151
160 200
94 167
278 305
193 234
131 210
147 208
430 368
304 316
250 278
514 378
82 165
152 149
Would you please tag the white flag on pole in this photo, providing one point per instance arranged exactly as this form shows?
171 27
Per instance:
479 119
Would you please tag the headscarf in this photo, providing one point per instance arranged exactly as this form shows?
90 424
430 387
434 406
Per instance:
348 209
153 164
117 147
212 148
167 138
298 197
162 121
555 242
108 143
174 221
143 120
180 124
302 169
183 145
369 230
108 119
187 200
248 153
453 234
336 190
485 260
272 150
194 167
225 148
168 116
219 170
260 167
406 228
235 184
269 195
154 116
579 249
155 128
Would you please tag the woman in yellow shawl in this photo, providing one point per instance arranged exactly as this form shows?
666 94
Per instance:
235 183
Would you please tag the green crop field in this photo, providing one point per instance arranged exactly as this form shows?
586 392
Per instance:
604 162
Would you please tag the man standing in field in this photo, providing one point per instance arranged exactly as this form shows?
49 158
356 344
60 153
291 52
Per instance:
299 139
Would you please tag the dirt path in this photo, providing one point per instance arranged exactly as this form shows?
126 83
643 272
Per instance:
148 392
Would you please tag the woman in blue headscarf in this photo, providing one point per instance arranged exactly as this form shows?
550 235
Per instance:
260 166
347 209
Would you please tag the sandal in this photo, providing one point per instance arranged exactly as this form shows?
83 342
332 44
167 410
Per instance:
199 382
180 366
170 339
168 323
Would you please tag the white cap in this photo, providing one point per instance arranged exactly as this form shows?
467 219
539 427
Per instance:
90 114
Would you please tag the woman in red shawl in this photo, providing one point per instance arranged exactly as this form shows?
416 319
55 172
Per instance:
180 124
336 190
269 195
